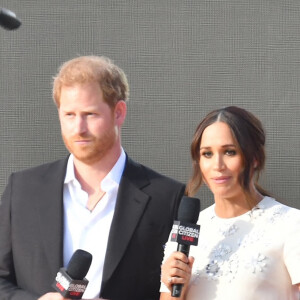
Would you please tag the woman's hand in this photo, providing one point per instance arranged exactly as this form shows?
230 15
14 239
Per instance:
177 269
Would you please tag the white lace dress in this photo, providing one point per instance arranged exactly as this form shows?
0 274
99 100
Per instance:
252 256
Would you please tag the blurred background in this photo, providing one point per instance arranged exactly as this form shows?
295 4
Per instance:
182 58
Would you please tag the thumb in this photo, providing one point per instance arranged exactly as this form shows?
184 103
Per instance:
191 261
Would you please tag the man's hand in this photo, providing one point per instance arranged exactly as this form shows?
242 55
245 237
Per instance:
53 296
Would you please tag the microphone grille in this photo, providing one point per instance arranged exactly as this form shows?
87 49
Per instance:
79 264
189 209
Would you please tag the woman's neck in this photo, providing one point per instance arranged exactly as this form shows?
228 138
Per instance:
234 207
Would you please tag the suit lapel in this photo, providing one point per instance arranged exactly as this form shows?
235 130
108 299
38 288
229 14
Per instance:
50 213
130 206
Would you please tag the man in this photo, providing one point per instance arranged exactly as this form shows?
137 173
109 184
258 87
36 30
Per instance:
98 199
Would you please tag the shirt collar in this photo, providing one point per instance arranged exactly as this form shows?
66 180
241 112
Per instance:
113 177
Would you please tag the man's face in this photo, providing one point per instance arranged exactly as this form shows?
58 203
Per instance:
89 125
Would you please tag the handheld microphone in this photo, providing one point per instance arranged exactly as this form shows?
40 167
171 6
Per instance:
8 19
70 281
185 231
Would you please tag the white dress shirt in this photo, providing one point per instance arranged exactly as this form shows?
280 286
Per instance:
89 230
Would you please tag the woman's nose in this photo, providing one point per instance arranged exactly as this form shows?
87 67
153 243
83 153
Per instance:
218 162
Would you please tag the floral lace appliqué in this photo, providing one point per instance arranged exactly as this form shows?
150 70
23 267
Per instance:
228 230
256 263
213 269
256 211
232 267
277 212
220 253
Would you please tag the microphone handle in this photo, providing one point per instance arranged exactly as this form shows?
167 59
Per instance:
176 288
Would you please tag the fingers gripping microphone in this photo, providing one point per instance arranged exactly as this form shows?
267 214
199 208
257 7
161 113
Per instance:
70 281
185 231
8 19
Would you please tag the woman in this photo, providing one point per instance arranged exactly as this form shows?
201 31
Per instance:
249 244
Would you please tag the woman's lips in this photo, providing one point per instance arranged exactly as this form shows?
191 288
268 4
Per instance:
221 179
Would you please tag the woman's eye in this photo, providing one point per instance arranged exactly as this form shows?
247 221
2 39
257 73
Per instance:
230 152
207 154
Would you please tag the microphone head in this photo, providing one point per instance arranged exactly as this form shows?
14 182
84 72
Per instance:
189 209
79 264
8 19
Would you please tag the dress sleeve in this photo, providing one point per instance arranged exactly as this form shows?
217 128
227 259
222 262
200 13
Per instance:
291 251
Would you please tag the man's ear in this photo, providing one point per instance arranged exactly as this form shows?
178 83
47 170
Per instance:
120 112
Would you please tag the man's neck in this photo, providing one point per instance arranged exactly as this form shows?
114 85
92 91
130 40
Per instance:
91 175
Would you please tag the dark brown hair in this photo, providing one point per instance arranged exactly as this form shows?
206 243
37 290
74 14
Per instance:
249 134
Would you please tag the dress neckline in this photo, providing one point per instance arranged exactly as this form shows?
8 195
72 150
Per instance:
257 209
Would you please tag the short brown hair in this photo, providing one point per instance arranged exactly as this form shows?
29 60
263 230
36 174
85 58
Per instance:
85 69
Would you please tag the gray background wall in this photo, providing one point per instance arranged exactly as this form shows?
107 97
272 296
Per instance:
182 58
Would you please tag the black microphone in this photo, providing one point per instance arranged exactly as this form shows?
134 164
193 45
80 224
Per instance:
70 281
8 19
185 231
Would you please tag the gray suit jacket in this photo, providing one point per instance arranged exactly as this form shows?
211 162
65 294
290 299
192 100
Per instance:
31 232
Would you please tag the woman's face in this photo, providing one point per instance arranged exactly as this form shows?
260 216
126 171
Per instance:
221 161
